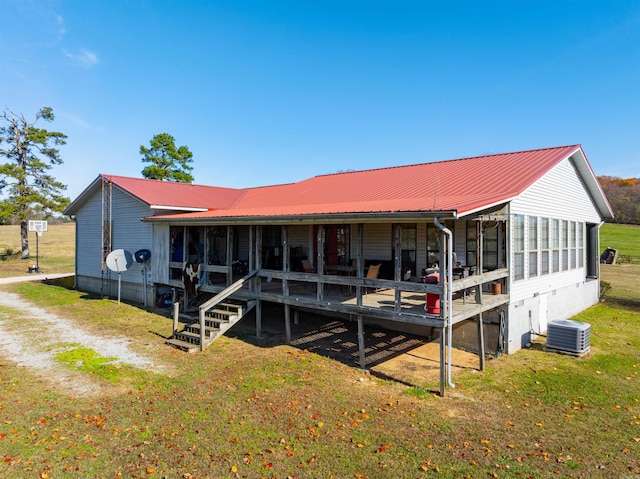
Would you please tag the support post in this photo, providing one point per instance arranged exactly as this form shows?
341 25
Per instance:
287 322
443 359
363 364
481 341
176 314
259 319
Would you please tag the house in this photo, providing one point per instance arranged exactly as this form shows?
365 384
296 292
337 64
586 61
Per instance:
497 245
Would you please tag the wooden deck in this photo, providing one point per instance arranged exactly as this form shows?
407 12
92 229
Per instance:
384 302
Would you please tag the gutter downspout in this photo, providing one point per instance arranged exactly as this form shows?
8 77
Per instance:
449 235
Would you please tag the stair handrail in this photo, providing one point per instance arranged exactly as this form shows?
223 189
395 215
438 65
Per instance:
218 298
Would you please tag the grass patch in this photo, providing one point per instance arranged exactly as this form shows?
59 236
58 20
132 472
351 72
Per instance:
624 238
87 360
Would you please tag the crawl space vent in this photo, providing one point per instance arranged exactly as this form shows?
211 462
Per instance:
572 337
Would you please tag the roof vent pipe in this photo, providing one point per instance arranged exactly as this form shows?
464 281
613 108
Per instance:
449 298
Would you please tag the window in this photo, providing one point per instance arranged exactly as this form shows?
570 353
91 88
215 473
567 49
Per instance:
518 247
572 244
177 251
533 246
565 245
544 246
472 243
580 232
408 245
433 245
490 247
555 243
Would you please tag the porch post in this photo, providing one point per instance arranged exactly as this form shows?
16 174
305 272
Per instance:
320 262
363 364
258 280
481 341
443 359
287 322
285 259
229 255
397 266
359 260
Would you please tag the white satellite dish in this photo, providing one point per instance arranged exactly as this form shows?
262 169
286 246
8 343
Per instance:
118 261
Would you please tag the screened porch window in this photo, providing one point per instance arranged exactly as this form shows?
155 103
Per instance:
518 247
565 245
555 242
408 245
544 246
533 246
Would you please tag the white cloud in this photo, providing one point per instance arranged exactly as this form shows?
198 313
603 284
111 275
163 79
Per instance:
84 58
78 121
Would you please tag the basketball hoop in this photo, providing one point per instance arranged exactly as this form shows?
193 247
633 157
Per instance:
39 226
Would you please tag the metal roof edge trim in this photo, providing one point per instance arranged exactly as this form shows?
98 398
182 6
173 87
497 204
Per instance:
180 208
308 219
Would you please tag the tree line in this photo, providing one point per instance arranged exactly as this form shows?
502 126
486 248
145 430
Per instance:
624 197
28 190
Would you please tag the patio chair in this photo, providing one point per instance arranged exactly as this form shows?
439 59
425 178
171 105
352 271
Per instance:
372 273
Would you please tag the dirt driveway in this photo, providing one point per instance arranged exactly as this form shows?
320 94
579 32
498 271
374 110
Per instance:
32 337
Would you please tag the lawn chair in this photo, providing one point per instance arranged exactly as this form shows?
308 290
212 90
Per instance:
372 273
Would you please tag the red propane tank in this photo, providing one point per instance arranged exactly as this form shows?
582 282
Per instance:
433 300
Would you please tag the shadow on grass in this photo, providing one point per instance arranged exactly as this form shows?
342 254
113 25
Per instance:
331 337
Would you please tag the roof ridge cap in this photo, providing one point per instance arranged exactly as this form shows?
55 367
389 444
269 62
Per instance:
382 168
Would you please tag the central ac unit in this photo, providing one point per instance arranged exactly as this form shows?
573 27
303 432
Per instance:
568 336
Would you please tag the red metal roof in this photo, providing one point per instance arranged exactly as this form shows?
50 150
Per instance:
169 194
462 185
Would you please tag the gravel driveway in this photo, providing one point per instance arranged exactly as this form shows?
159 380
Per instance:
37 351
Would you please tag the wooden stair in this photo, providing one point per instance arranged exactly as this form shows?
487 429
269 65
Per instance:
216 316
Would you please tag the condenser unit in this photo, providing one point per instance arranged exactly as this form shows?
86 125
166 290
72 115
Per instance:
568 336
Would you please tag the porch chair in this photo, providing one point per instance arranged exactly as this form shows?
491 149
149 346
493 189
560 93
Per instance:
372 273
306 266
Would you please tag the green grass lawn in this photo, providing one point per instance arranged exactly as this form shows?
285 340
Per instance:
245 408
241 409
624 238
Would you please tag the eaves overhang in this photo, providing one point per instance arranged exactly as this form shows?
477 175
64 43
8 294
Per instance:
177 208
333 218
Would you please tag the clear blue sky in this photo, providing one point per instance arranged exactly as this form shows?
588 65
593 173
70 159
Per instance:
266 92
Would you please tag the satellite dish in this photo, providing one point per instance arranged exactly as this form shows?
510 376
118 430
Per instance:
142 255
119 260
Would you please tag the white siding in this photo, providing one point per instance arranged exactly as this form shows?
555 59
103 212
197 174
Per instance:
89 238
558 194
301 236
378 241
160 254
128 232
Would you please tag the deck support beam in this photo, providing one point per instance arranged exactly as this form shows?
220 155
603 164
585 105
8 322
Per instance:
287 323
443 360
481 341
363 364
